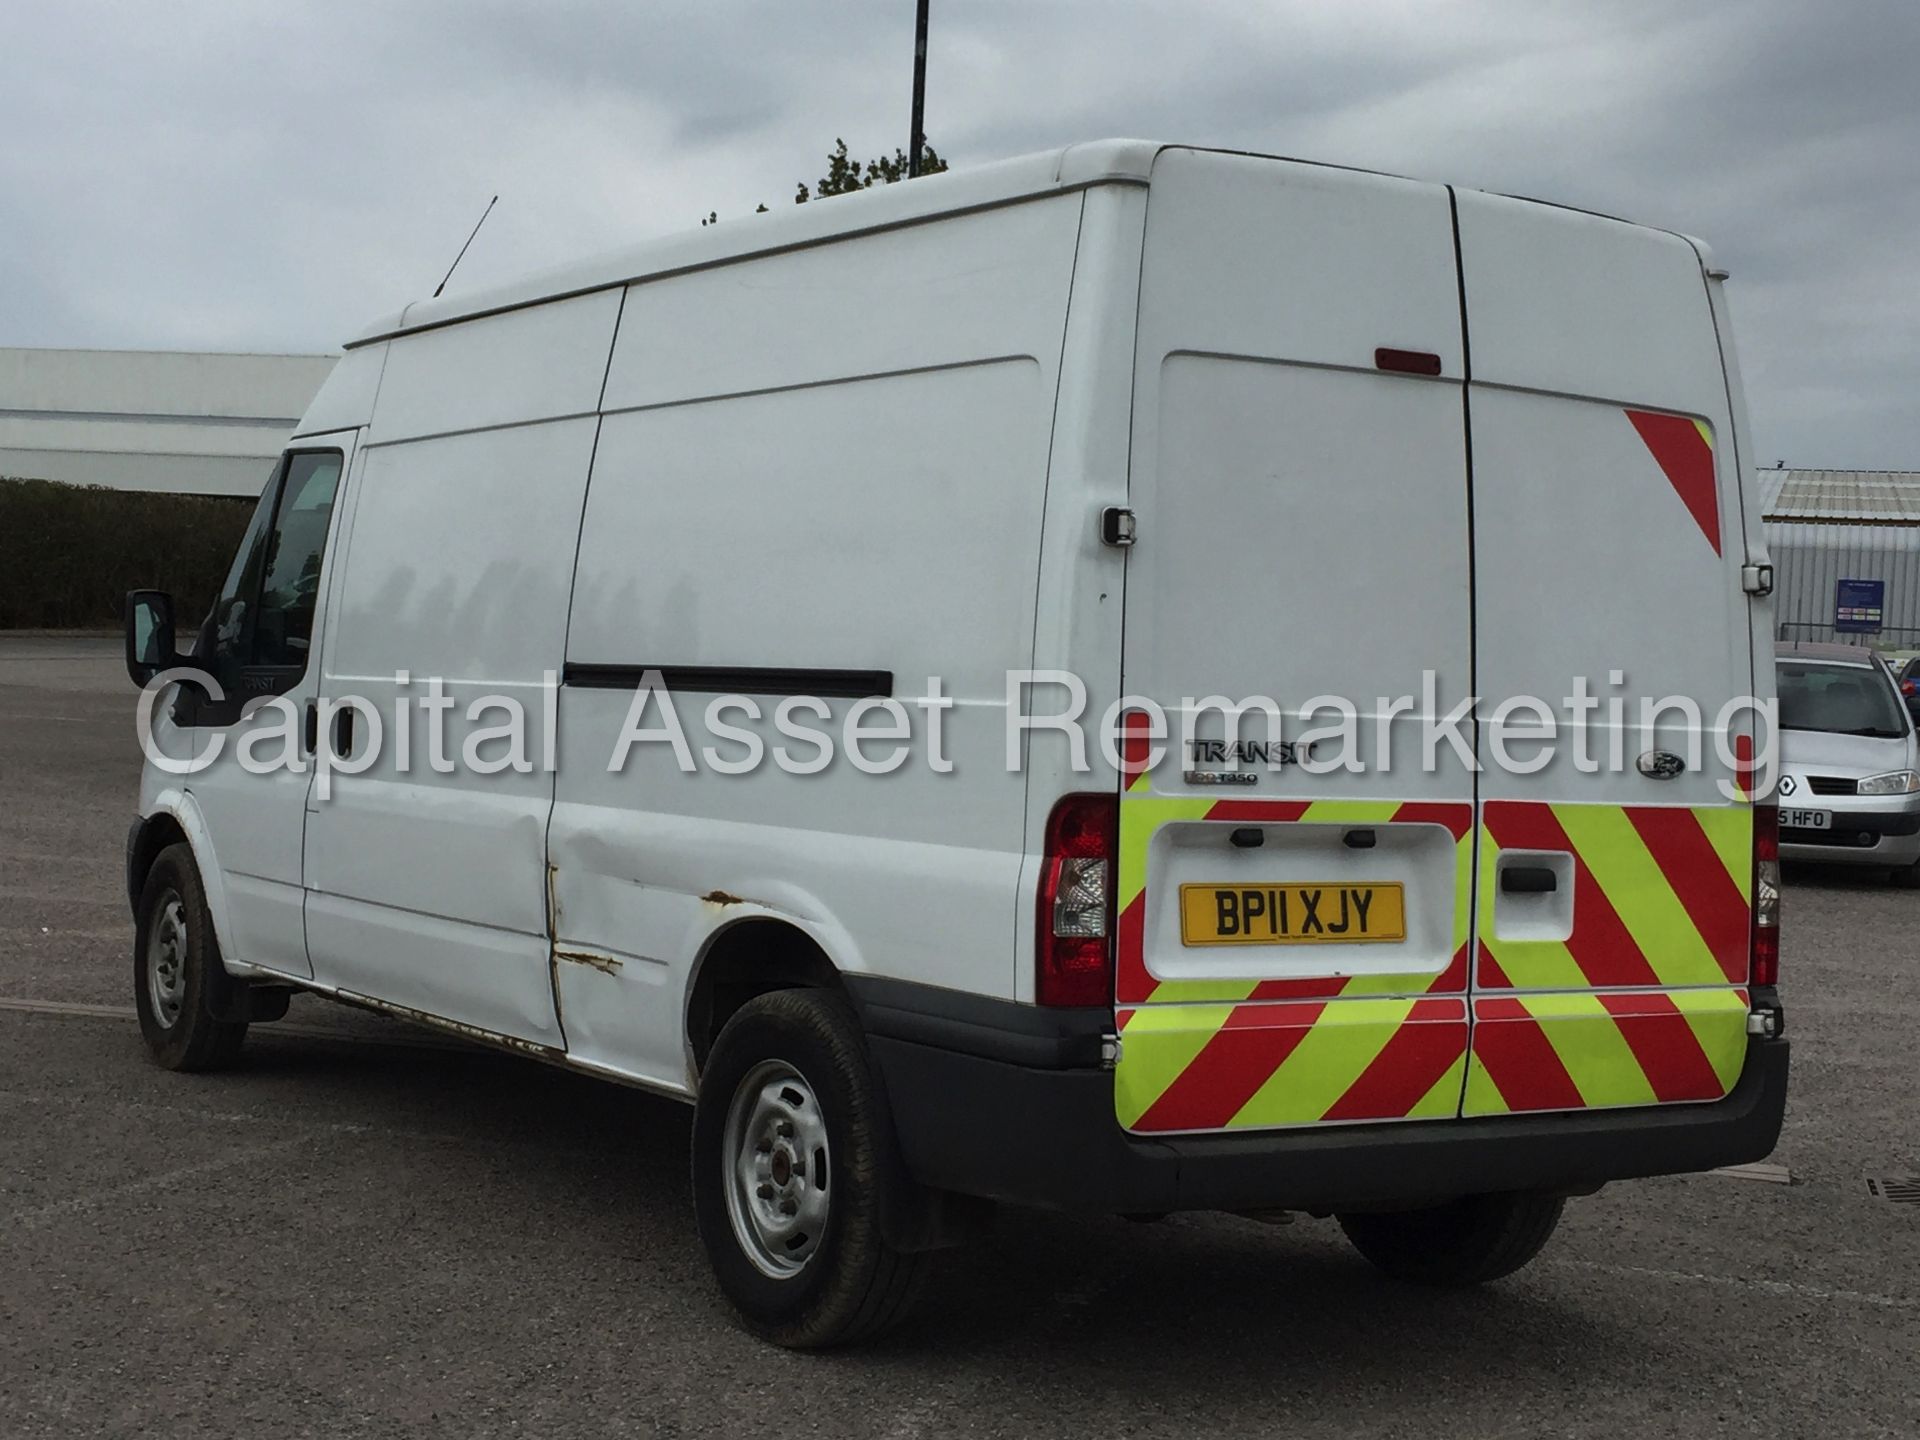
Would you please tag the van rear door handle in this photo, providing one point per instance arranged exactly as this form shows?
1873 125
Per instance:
1528 880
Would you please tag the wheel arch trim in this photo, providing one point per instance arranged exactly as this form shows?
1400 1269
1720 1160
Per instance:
726 933
179 806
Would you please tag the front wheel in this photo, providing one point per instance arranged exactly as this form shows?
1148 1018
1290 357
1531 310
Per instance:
792 1148
1463 1242
177 974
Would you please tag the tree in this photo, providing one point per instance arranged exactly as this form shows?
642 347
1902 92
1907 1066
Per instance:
845 175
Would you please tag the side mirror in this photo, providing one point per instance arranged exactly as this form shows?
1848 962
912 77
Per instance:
149 620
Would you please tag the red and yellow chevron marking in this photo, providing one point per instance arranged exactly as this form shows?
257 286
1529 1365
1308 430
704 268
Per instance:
1660 896
1643 1003
1745 768
1683 449
1141 816
1588 1051
1224 1067
1211 1054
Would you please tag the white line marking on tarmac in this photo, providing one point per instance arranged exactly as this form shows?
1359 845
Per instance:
120 1103
79 1010
1769 1174
1785 1288
71 1008
93 1199
65 719
299 1130
74 1009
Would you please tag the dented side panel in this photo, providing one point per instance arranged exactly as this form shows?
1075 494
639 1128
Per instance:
625 951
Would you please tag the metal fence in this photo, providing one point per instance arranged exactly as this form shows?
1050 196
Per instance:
1890 638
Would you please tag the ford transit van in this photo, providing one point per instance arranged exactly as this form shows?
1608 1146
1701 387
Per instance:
1113 681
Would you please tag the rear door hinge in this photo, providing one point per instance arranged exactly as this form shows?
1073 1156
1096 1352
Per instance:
1117 527
1756 579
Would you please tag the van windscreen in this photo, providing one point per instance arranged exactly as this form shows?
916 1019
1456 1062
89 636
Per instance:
1839 699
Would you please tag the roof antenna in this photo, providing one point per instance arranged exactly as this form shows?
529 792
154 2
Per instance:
463 249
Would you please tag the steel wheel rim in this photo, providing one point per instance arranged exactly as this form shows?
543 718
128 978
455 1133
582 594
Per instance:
167 960
777 1169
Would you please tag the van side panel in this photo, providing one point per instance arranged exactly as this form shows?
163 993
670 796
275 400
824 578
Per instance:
427 889
1608 543
827 460
1302 534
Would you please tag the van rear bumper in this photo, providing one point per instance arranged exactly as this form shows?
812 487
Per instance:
1021 1112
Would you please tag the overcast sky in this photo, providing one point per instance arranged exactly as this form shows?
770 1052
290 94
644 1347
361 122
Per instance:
270 174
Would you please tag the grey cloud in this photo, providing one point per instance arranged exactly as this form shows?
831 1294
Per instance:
205 175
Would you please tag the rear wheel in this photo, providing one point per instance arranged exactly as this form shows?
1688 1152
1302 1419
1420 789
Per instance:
792 1148
177 974
1463 1242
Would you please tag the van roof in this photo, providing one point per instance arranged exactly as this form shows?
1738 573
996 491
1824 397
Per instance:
793 227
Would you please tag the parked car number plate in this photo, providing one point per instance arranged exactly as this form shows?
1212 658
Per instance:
1292 914
1806 819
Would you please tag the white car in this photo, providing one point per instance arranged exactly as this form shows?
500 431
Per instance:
1849 785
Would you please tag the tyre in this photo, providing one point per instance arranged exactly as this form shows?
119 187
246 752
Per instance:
792 1151
177 975
1464 1242
1905 877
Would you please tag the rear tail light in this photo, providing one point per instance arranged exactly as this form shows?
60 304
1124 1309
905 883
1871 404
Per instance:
1073 950
1766 895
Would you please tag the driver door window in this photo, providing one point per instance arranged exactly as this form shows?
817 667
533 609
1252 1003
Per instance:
257 637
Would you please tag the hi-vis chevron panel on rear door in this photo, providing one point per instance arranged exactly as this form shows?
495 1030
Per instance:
1343 1042
1142 816
1660 895
1592 1050
1642 1000
1211 1067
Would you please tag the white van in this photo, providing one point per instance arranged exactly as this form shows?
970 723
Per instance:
862 508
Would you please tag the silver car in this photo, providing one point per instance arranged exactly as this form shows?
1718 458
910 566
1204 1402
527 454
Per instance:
1849 761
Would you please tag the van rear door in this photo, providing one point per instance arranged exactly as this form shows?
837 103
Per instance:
1292 946
1608 541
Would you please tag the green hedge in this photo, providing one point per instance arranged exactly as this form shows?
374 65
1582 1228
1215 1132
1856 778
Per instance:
70 553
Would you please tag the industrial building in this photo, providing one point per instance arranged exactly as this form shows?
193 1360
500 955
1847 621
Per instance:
1846 555
151 420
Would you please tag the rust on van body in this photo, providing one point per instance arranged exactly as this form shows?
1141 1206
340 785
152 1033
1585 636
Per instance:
605 964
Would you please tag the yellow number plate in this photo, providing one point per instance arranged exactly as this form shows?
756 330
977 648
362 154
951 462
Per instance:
1291 914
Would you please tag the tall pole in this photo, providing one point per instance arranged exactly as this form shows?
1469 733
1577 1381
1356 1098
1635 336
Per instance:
919 91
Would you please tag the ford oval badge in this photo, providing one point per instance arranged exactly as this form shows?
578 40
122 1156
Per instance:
1660 764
